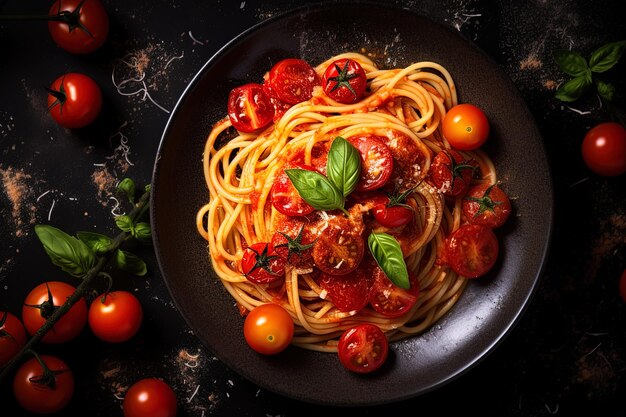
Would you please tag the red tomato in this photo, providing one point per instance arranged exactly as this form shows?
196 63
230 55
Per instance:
363 348
12 337
43 394
43 301
295 246
390 300
338 249
465 127
292 80
376 161
344 81
285 197
115 317
604 149
74 100
349 292
391 212
486 205
451 175
622 285
472 250
150 397
85 26
249 108
262 265
268 329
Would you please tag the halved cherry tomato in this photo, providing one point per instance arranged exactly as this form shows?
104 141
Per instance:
12 337
74 100
116 316
450 173
338 249
87 28
465 127
376 161
349 292
268 329
292 80
622 285
43 301
604 149
472 250
42 393
262 265
390 300
249 108
486 205
344 81
150 397
285 197
363 348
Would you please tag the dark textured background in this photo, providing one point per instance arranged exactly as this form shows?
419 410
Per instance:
566 355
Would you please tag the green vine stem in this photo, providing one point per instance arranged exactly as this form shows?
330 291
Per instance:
82 289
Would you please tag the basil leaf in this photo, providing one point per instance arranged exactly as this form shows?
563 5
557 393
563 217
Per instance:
315 189
127 186
605 90
605 57
142 232
388 254
124 223
70 254
344 165
98 243
570 62
129 262
573 89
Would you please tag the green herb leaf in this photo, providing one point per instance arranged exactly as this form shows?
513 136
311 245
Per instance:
388 254
344 165
127 186
605 57
98 243
70 254
573 89
605 90
129 262
570 62
142 232
316 189
124 223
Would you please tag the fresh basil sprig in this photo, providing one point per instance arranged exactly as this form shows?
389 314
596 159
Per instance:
98 243
129 262
70 254
344 165
388 254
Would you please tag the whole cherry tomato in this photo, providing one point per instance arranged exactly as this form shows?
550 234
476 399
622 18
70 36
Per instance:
604 149
486 205
12 337
363 348
150 397
450 173
268 329
261 264
465 127
40 391
116 316
344 81
83 27
74 100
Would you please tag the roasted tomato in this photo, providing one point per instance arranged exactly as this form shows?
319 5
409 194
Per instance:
339 247
262 265
390 300
450 173
268 329
294 244
292 80
349 292
249 108
376 161
486 205
344 81
285 197
393 211
465 127
12 337
363 348
472 250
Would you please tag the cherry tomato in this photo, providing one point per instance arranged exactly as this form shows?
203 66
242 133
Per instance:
363 348
268 329
344 81
150 397
486 205
295 246
115 317
465 127
604 149
391 211
43 301
376 161
74 100
450 173
292 80
390 300
349 292
249 108
86 28
261 264
338 249
43 393
622 285
472 250
285 197
12 337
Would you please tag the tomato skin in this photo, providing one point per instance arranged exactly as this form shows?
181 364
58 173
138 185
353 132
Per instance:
69 326
376 161
390 300
338 249
285 198
80 104
465 127
450 173
301 252
292 80
12 337
604 149
494 203
363 348
92 15
39 398
262 265
150 397
249 108
268 329
344 81
472 250
118 318
622 285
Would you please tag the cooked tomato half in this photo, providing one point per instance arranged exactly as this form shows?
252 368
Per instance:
472 250
349 292
363 348
390 300
285 197
249 108
339 248
376 161
292 80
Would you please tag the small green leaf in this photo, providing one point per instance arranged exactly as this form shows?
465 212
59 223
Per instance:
124 223
98 243
129 262
316 189
143 233
605 57
127 186
570 62
605 90
148 187
573 89
388 254
70 254
344 165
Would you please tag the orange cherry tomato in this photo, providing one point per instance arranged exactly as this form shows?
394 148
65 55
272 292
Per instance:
465 127
268 329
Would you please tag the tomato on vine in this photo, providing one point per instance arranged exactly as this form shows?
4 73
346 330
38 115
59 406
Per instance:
115 316
150 397
12 337
81 26
43 385
74 100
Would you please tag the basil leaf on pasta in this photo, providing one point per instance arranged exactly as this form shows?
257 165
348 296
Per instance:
388 254
344 165
316 189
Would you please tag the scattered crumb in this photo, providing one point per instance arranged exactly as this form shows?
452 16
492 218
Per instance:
16 187
530 62
104 182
